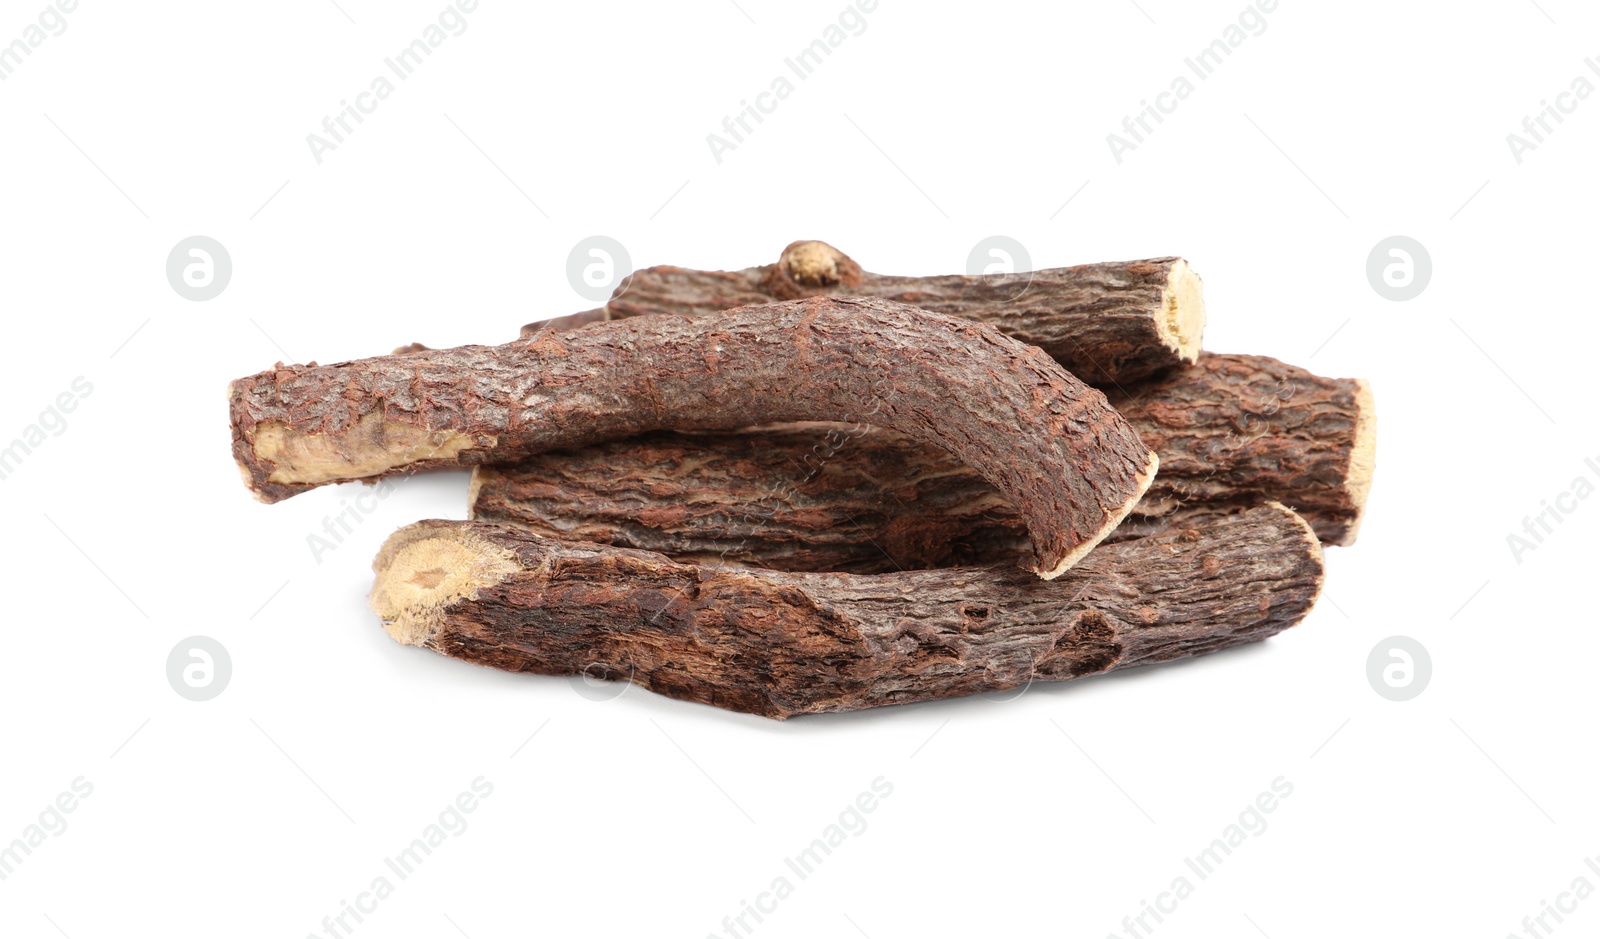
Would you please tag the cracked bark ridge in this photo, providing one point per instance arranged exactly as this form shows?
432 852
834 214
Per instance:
819 497
827 497
887 503
1235 426
1108 323
780 644
1063 457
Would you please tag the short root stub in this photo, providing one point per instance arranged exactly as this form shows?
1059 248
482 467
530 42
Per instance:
808 268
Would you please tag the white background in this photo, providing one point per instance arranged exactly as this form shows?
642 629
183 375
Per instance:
447 218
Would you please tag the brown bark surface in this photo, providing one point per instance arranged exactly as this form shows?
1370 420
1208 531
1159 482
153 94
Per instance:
779 644
811 498
1107 323
1233 428
1068 462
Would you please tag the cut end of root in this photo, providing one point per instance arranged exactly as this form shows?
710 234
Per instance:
1363 458
1076 554
1313 547
1183 312
422 569
372 447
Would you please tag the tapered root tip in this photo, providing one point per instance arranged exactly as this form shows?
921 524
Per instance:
422 569
1182 322
1363 458
1112 521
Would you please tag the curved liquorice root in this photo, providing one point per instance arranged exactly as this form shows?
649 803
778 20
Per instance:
1070 463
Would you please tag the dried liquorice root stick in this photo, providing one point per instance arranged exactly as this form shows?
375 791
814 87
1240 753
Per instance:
829 497
1235 425
774 498
1107 323
1069 462
780 644
1233 428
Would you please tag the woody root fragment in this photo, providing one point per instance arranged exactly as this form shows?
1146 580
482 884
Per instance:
804 488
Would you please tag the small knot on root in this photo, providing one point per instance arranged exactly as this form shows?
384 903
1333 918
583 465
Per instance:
810 268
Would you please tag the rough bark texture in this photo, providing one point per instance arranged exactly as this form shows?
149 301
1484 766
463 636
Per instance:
1107 323
1064 458
828 497
1236 427
796 498
780 644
